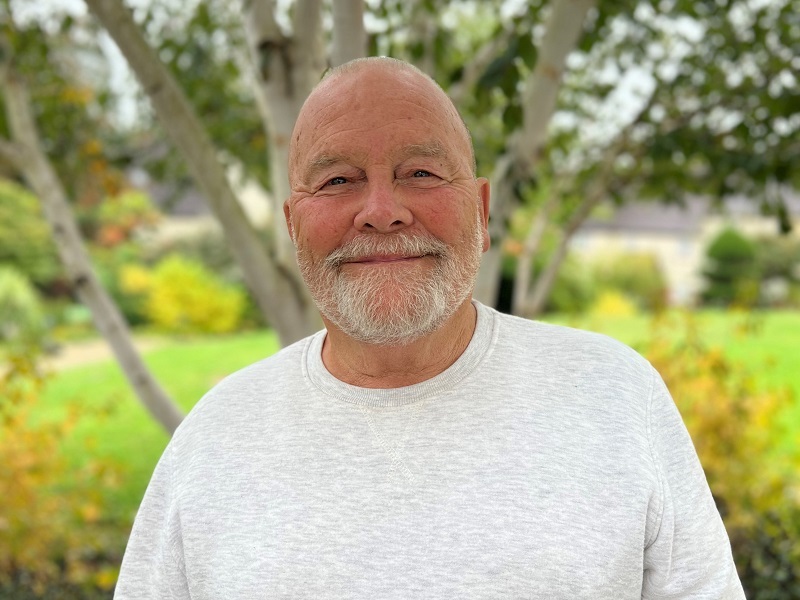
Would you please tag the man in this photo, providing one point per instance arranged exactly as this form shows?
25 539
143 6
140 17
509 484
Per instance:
423 445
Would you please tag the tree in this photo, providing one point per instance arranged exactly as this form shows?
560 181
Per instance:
509 74
693 123
25 153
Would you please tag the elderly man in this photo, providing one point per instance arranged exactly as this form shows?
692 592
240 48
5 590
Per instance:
423 445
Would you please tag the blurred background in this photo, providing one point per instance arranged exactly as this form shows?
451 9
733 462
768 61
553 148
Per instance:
644 159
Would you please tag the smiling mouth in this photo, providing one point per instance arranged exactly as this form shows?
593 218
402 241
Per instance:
383 259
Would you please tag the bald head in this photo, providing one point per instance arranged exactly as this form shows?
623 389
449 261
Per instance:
358 85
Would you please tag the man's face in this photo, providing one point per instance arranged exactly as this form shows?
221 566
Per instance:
388 219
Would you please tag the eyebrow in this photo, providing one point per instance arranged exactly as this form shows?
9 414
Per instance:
320 163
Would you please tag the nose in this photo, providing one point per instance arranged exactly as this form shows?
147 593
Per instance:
383 210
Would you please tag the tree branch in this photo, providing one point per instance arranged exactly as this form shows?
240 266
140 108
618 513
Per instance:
13 154
476 66
563 29
276 296
308 53
349 35
42 177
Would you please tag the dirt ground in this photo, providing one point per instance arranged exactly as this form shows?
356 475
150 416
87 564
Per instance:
76 354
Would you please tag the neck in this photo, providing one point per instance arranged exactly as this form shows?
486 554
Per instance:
373 366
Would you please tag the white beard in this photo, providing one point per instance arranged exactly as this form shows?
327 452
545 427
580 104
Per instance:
393 305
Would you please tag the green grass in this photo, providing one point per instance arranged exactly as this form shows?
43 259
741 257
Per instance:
118 428
765 344
113 424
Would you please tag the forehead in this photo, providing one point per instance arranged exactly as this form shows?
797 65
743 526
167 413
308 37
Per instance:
377 114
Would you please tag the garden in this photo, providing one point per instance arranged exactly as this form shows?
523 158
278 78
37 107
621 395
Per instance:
79 448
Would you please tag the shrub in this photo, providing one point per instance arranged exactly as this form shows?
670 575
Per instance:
21 314
25 239
778 263
574 290
731 271
613 303
51 533
636 275
181 295
109 264
115 220
733 422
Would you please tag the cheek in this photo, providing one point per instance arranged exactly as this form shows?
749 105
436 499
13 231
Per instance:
320 231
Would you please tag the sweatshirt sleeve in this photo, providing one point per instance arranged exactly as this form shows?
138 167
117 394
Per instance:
688 554
152 567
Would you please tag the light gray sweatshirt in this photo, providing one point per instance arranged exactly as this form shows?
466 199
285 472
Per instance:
546 462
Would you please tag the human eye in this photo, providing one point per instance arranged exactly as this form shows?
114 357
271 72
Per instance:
422 173
336 181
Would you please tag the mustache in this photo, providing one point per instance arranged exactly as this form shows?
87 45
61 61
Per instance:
371 245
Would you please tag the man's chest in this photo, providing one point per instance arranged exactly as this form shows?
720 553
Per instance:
425 523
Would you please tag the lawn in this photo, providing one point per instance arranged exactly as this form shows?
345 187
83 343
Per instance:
117 427
114 425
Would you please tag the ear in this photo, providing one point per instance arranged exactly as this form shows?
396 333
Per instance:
287 214
484 195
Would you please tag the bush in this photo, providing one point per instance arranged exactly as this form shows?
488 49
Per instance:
778 263
733 422
574 289
51 532
109 264
115 220
182 296
636 275
731 270
25 239
21 314
613 303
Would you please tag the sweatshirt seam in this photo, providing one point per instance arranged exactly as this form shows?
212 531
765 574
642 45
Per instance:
172 508
654 459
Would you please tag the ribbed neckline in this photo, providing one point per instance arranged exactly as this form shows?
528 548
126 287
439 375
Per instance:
480 345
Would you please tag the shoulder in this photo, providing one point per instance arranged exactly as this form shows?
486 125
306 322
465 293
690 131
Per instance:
560 343
248 395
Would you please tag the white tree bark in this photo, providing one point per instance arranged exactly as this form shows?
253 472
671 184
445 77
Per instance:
279 295
562 31
349 35
289 66
530 300
530 247
27 155
288 69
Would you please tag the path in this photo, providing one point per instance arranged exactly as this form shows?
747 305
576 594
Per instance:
75 354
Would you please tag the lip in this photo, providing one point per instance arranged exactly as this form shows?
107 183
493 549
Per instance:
381 259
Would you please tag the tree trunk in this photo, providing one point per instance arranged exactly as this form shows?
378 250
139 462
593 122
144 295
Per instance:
349 36
544 283
286 72
34 165
501 206
530 247
563 29
279 295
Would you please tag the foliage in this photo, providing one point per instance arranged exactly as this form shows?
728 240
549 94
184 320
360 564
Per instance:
51 526
730 271
637 275
25 239
613 302
769 555
21 312
64 69
182 295
115 219
734 423
574 289
778 260
109 263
